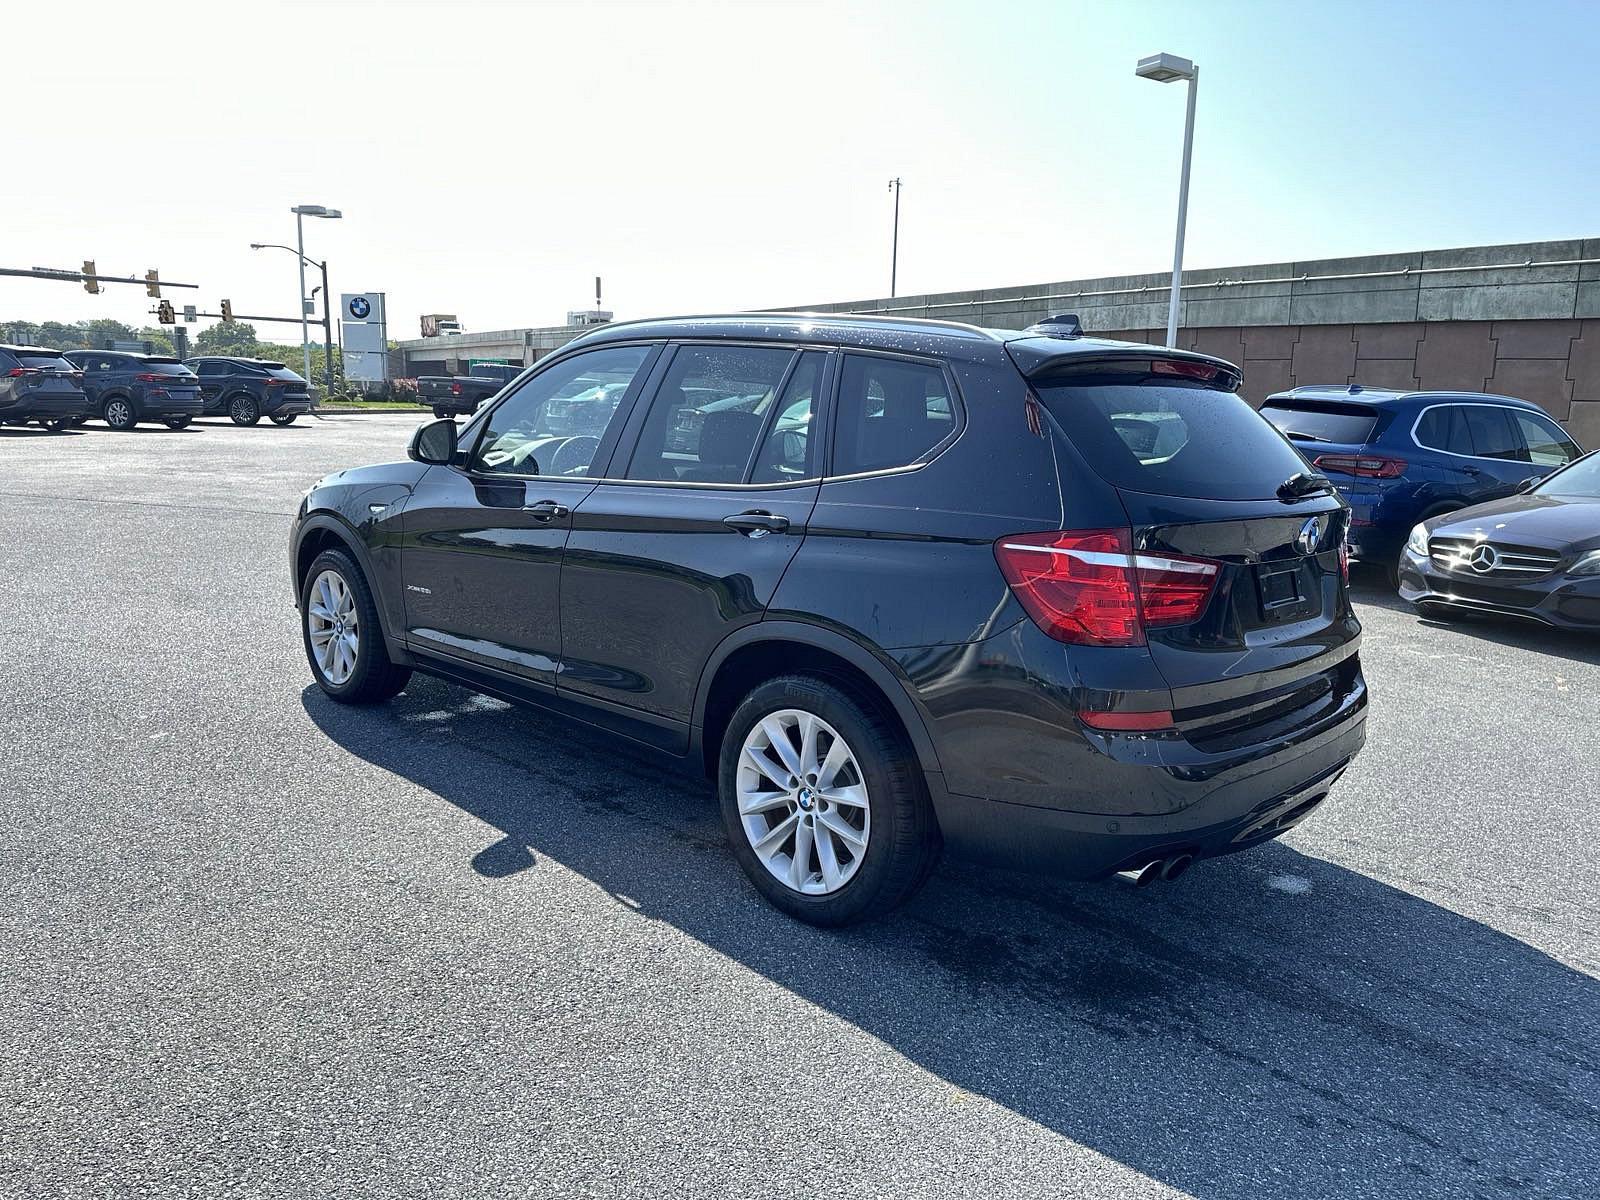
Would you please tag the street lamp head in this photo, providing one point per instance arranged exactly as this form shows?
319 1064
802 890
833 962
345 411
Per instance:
315 210
257 245
1164 68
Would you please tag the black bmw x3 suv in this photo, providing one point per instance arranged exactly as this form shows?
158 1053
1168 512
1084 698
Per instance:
895 585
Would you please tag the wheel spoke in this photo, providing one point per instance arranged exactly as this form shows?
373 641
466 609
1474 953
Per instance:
778 739
827 859
838 756
756 802
765 765
800 863
809 726
776 835
845 832
854 796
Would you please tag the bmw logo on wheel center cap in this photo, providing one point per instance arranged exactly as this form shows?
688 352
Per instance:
806 799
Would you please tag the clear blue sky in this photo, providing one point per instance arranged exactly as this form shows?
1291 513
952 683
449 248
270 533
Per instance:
730 156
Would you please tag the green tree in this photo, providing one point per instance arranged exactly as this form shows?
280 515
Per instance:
237 338
60 336
101 330
160 340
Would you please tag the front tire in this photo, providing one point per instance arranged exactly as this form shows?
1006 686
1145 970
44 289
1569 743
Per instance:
176 423
824 803
285 419
342 634
244 410
118 414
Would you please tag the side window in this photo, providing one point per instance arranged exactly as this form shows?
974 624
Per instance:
553 423
1547 445
212 367
1493 435
1444 427
788 450
891 413
708 414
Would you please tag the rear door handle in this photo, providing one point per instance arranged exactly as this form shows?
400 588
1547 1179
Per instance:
547 510
757 523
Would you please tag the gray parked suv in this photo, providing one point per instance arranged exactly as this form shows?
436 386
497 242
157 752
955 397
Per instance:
40 385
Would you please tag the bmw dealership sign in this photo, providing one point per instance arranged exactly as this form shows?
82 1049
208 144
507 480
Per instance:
365 337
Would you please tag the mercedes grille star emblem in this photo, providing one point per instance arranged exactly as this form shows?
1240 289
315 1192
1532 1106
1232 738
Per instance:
1483 559
1306 540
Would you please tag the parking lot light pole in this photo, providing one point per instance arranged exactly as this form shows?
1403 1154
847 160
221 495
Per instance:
1167 68
327 317
302 211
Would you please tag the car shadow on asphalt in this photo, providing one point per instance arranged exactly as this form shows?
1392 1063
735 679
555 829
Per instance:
1274 1025
1369 587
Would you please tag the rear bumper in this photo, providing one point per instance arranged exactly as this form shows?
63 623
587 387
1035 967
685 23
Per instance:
158 408
34 407
1557 600
285 405
1235 810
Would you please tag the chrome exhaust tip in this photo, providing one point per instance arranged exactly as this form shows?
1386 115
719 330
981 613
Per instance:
1176 866
1141 876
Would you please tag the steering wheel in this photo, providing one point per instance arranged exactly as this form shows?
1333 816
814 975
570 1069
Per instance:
574 455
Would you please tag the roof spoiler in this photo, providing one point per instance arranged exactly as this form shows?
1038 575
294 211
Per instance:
1035 358
1064 325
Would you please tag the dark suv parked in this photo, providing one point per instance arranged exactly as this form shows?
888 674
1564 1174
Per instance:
247 389
40 385
125 389
1404 457
1056 601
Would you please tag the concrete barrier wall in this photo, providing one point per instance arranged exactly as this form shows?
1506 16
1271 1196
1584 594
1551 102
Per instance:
1520 319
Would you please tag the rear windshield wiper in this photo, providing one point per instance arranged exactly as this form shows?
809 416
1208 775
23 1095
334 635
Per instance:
1303 483
1304 437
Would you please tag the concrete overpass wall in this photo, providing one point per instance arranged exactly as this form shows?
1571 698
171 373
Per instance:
1519 319
450 355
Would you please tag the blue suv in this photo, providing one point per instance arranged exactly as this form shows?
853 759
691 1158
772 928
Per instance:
1401 457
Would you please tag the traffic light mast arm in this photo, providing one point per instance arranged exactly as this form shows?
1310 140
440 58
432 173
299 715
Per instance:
87 277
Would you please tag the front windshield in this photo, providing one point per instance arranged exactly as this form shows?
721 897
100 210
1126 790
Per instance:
1582 478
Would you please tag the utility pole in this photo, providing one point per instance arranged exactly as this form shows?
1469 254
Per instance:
894 249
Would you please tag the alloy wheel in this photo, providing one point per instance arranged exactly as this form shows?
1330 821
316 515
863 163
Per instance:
803 801
334 627
119 414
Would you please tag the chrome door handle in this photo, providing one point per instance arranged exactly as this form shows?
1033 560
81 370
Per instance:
547 510
756 523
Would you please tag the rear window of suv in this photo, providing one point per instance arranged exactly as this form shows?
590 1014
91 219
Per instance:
1321 424
1170 437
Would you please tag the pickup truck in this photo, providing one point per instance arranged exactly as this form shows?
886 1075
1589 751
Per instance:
453 395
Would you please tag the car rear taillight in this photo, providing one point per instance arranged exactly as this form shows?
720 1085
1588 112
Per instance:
1368 466
19 372
149 378
1344 562
455 389
1088 587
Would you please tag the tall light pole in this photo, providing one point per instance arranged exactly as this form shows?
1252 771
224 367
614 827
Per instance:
894 247
327 318
302 211
1167 68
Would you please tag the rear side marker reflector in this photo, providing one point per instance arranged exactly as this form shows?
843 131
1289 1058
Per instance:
1089 587
1127 722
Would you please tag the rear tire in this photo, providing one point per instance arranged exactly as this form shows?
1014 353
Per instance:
176 423
879 837
440 411
285 419
244 410
336 605
53 424
118 414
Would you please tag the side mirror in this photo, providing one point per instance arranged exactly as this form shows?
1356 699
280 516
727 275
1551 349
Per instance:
1528 484
434 443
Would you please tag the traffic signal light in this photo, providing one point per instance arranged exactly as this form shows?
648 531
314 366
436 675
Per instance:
227 310
152 284
165 314
90 283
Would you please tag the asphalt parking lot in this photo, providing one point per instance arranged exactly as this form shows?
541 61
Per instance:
251 940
